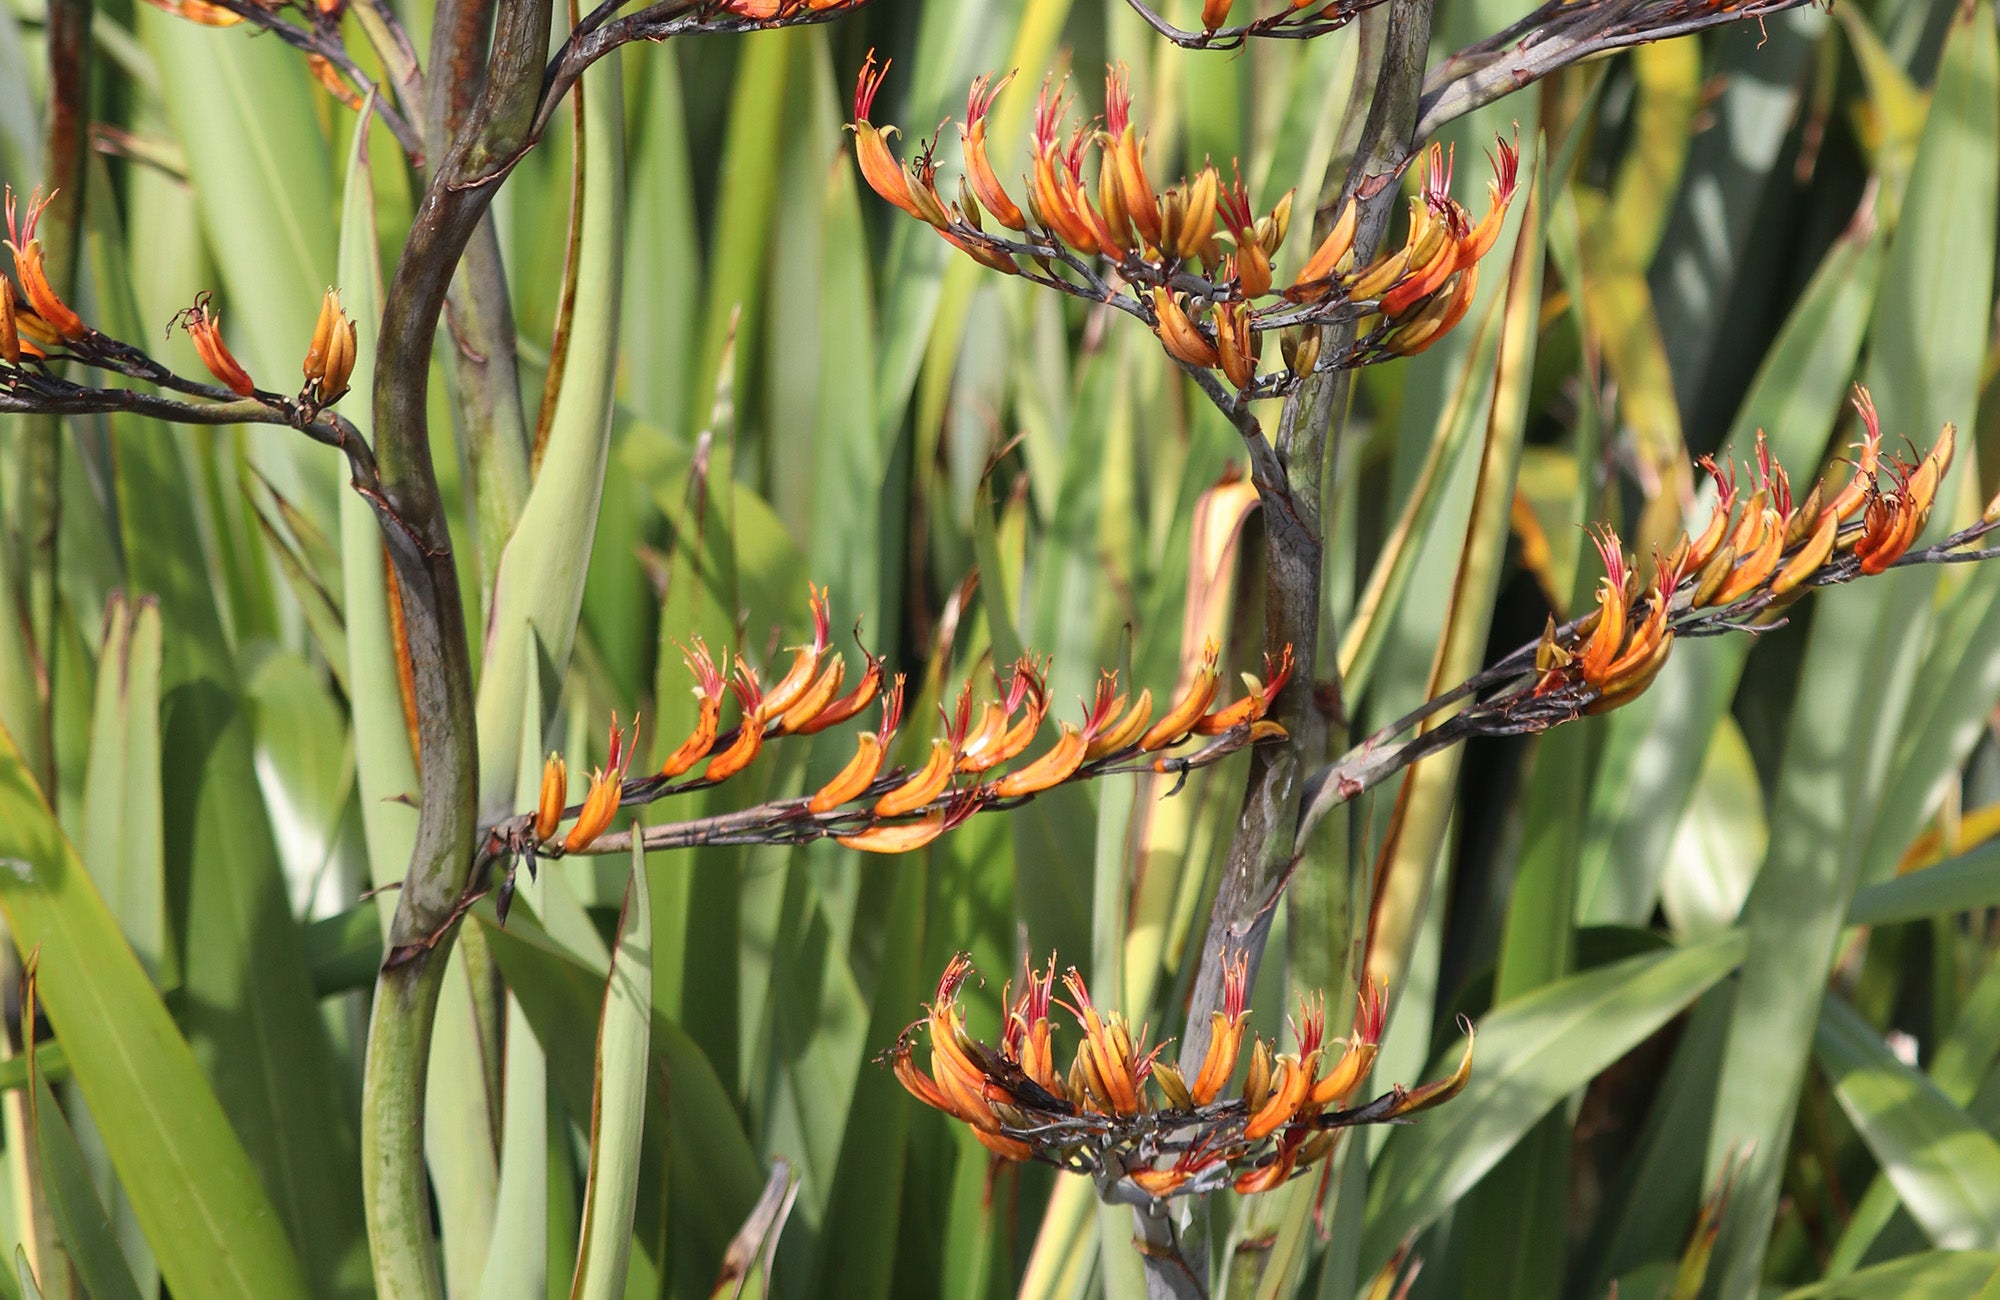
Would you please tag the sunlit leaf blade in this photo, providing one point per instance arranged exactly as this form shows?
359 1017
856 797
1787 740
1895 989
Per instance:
618 1100
1531 1054
1865 642
1946 1169
89 1236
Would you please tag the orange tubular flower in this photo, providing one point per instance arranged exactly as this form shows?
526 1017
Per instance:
792 687
1225 1035
1315 276
1121 734
708 695
11 348
871 146
198 11
1028 1038
850 704
909 837
330 359
1027 686
1109 1066
1180 336
1236 344
606 788
555 791
1254 705
862 769
41 295
1253 260
924 786
957 1083
1855 495
1048 197
1175 725
1354 1064
1500 192
1214 13
743 750
1052 768
1292 1084
1125 156
1608 638
204 330
979 175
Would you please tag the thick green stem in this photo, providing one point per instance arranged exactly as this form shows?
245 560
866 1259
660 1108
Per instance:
461 188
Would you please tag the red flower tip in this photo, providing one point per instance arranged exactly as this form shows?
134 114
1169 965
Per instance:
1117 99
868 84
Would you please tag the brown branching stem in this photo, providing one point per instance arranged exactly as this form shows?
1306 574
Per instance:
1288 24
1561 33
321 39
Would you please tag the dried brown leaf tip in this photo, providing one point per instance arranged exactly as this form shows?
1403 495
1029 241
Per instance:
1121 1111
1762 545
1192 258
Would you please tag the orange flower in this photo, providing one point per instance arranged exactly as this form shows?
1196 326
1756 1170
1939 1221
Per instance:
1049 197
708 695
1254 705
979 175
848 705
1052 768
1855 495
1175 725
871 150
906 837
204 329
1214 13
925 785
1028 1038
1125 156
600 805
1315 277
330 358
1500 192
12 346
749 739
1253 260
1181 337
198 11
992 743
1292 1083
1353 1066
1109 1066
41 295
1225 1034
862 769
555 791
792 687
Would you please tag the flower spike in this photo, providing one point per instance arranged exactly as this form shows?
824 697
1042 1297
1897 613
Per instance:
1106 1114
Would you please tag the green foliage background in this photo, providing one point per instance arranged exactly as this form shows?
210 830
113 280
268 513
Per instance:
1680 926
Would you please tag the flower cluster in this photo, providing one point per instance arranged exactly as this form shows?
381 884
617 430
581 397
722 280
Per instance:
34 320
37 326
1196 254
880 807
1121 1110
1757 552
